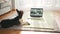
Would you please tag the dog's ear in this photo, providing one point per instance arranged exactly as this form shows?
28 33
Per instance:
20 13
17 10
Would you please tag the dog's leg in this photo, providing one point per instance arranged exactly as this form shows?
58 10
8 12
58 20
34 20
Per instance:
24 23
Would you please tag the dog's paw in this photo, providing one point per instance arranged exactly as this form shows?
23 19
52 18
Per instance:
26 23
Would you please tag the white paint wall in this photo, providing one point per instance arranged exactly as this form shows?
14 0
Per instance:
46 4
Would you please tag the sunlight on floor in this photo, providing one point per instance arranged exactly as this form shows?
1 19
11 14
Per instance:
31 32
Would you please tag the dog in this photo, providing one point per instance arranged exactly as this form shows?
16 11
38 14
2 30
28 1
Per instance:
10 22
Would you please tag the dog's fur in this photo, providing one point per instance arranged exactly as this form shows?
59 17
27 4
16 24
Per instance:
10 22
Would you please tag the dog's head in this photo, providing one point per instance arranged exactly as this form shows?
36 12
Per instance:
20 13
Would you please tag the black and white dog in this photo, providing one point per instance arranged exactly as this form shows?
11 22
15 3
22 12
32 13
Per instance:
10 22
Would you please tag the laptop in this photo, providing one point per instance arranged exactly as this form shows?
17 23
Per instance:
36 13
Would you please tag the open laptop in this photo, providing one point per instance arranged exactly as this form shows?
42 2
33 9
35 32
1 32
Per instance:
36 13
39 21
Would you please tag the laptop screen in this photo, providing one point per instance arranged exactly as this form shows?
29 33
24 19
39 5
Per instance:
36 12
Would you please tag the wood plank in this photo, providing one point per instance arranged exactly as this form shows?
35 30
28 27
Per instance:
9 32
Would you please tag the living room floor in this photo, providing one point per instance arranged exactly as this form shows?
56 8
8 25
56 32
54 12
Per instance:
31 32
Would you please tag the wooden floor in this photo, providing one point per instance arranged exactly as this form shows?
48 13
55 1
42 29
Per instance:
9 32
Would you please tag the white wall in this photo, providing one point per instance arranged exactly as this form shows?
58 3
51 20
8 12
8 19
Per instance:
46 4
